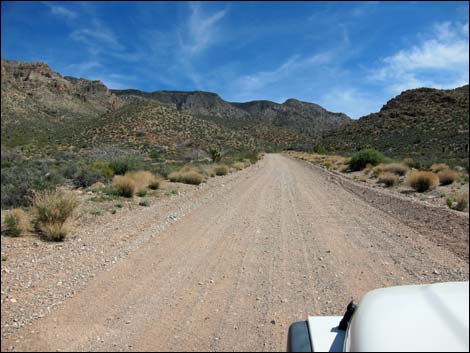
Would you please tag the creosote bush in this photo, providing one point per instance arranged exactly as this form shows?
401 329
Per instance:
360 159
422 181
53 209
122 166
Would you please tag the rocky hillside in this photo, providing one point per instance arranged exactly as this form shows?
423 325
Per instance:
425 124
39 104
307 120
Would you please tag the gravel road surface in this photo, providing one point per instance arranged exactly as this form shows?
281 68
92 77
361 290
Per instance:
280 241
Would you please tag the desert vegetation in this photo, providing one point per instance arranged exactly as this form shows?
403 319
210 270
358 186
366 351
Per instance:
443 184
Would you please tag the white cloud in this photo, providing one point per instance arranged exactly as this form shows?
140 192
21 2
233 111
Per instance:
60 10
200 32
439 60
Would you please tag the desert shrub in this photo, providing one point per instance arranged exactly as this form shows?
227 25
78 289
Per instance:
155 155
239 165
174 177
154 184
215 154
54 231
122 166
221 169
422 181
388 178
102 168
144 203
17 222
86 177
439 167
447 177
142 192
19 181
124 185
360 159
319 149
396 168
52 210
459 203
192 177
462 202
377 170
141 178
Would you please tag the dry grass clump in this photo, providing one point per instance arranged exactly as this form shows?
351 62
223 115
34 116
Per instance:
377 170
448 176
53 210
17 222
422 181
154 184
187 177
239 165
192 177
221 169
396 168
459 203
439 167
124 185
141 178
388 178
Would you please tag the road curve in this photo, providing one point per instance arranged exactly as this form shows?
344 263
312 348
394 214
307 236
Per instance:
282 243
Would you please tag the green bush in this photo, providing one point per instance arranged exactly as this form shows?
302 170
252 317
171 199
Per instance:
102 168
155 155
19 181
360 159
122 166
142 192
215 154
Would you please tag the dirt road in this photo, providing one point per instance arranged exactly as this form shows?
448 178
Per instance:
283 242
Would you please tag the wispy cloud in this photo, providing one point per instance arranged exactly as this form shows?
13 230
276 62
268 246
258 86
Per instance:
440 60
250 84
200 32
60 10
97 35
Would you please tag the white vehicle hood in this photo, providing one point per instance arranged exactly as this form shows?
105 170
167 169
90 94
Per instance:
412 318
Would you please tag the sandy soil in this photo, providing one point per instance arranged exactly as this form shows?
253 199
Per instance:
274 243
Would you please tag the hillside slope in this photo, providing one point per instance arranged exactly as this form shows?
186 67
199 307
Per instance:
306 120
39 106
425 124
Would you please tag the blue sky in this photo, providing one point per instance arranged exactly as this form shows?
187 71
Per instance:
346 56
